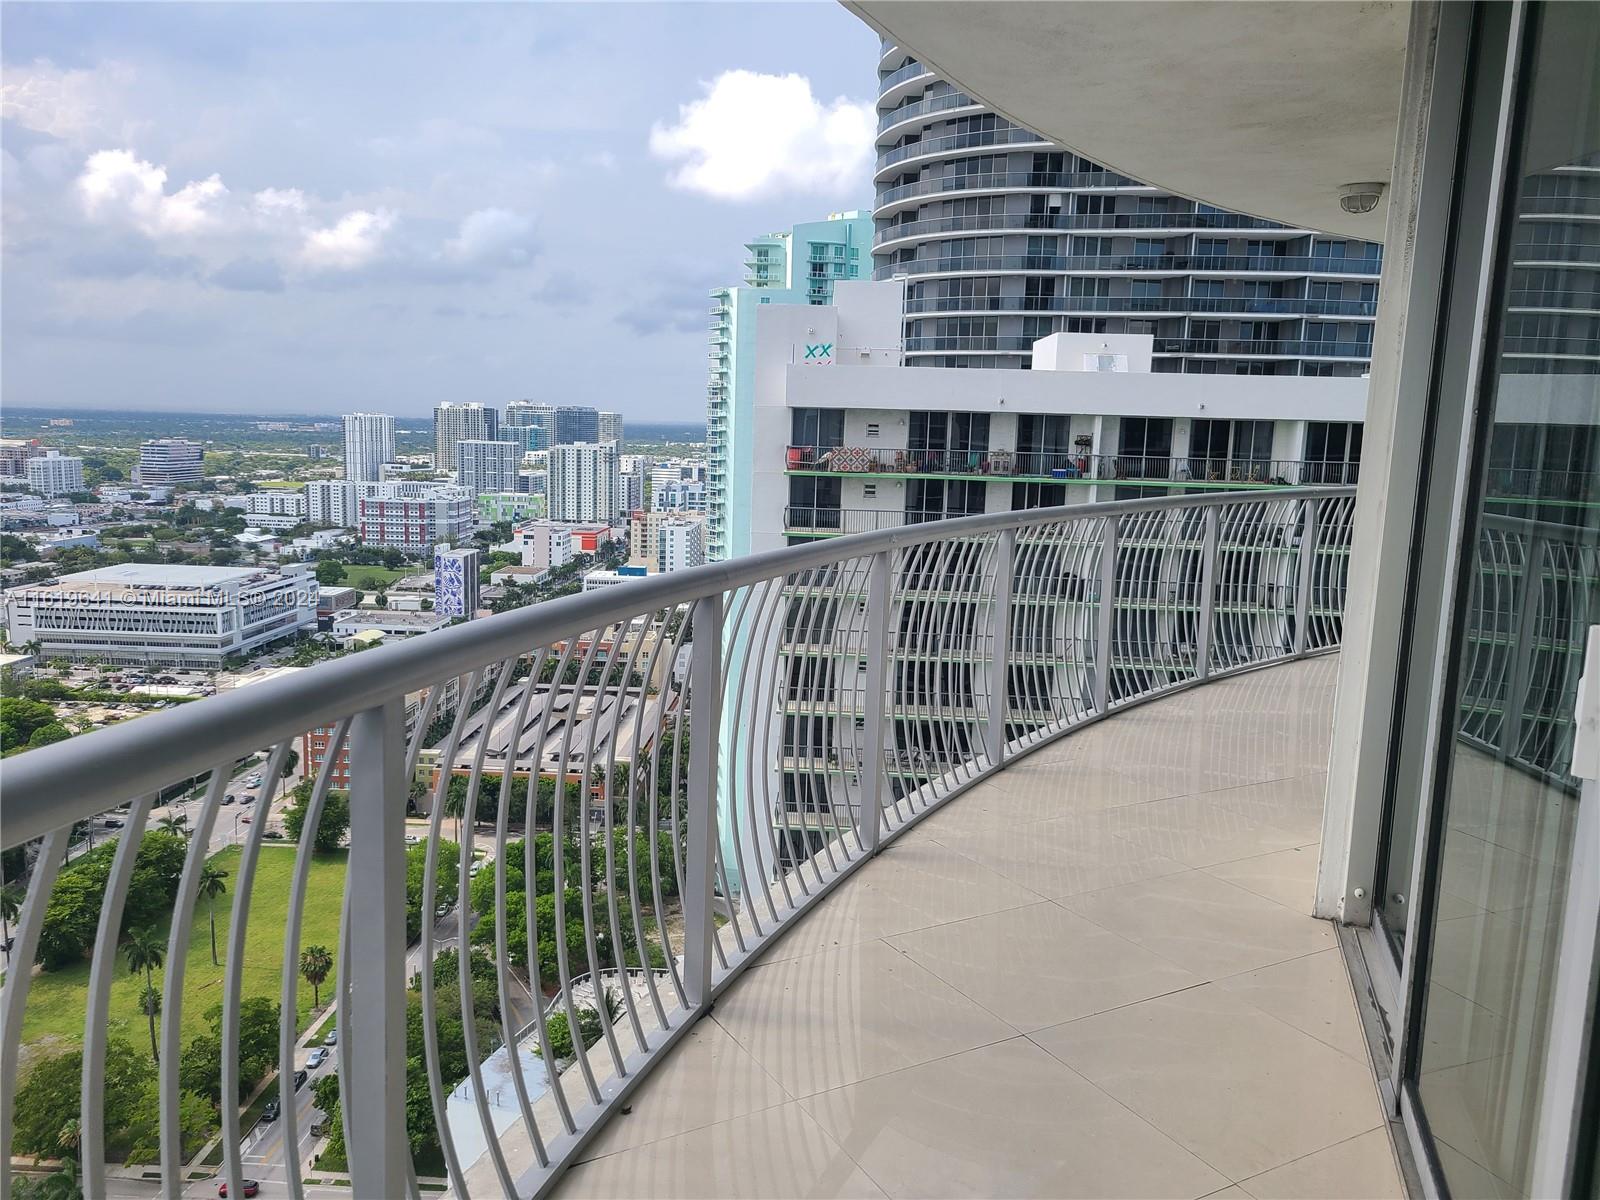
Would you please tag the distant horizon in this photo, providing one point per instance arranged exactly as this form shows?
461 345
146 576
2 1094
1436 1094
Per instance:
74 411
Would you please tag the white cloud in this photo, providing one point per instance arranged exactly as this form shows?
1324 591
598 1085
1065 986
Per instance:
354 241
279 202
72 104
493 237
752 135
115 185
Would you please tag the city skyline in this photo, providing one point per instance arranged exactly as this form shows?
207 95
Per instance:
201 214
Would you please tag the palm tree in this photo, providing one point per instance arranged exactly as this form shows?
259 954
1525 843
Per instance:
315 963
70 1139
171 824
150 1006
145 953
213 883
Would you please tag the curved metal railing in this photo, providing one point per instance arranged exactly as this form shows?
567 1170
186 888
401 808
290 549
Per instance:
656 779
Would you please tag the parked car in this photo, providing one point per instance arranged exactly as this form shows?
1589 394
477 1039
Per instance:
251 1188
112 823
441 910
317 1057
270 1112
300 1078
332 1039
412 839
272 835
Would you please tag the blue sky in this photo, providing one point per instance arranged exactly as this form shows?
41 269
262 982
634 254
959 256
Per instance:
320 208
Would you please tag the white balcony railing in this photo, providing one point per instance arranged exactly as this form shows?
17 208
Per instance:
638 769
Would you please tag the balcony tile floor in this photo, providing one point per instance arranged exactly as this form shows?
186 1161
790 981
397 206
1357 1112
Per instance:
1093 975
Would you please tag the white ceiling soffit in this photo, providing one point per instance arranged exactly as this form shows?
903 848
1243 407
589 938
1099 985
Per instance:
1266 108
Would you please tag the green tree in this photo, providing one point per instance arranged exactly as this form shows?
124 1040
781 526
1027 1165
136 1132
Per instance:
331 826
19 718
213 883
55 731
10 907
329 572
46 1108
315 963
145 952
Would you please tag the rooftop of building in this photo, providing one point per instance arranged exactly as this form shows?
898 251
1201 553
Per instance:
421 621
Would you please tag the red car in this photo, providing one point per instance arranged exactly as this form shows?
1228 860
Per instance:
251 1188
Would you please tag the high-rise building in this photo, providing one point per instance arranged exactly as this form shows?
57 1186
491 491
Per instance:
633 489
1003 238
530 424
585 482
14 456
680 543
331 502
368 444
797 267
488 466
53 474
575 423
455 581
167 461
454 423
611 428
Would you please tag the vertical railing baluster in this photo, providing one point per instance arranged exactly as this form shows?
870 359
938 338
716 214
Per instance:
1104 618
1005 547
19 977
374 1051
1308 568
1208 599
1523 640
96 1026
705 719
880 584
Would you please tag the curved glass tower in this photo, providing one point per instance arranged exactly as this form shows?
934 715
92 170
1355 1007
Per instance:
1004 238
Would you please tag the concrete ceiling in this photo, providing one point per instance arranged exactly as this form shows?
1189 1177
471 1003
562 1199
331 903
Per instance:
1266 108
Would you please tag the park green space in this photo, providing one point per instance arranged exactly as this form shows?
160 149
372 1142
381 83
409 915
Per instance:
57 999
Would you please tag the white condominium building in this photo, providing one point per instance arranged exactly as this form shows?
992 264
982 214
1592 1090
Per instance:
645 545
150 613
454 423
271 508
166 461
368 444
53 474
331 502
680 543
585 482
845 450
681 495
484 466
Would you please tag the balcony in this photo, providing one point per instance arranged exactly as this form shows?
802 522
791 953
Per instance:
1004 181
1154 897
923 108
1076 222
1274 264
1263 347
1091 975
1028 466
1139 305
952 142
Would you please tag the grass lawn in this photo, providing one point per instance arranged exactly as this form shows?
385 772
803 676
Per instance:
57 999
381 576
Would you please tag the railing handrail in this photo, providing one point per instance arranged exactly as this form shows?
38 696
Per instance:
69 781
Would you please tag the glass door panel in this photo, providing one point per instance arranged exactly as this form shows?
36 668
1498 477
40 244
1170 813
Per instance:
1505 798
